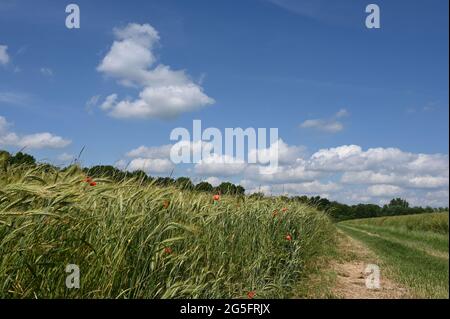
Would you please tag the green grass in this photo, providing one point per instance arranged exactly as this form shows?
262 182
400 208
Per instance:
117 233
432 222
415 255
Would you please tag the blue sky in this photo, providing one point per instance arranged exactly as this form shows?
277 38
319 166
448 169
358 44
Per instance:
293 65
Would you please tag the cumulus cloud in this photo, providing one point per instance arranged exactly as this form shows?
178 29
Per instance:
286 154
347 173
383 190
213 180
409 180
150 165
165 93
155 159
151 152
220 165
32 141
109 102
332 125
293 173
353 158
4 57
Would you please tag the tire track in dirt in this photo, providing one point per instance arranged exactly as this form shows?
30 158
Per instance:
350 280
424 248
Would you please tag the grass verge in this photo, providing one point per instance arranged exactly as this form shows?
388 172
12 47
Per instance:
405 258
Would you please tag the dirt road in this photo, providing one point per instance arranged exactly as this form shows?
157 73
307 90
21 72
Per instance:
350 280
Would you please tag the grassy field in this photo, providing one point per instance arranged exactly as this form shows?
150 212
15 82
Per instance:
141 241
414 249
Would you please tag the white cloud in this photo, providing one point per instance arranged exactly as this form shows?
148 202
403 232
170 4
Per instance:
332 125
294 173
3 125
32 141
165 151
4 57
121 164
368 177
323 125
410 180
151 152
220 165
310 188
427 181
65 157
286 154
152 160
109 102
46 71
214 181
346 173
42 140
162 102
92 102
342 113
165 93
438 197
383 190
131 54
429 163
150 165
352 158
13 98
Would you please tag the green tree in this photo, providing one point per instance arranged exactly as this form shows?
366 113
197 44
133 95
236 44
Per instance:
398 202
240 190
226 188
22 159
204 187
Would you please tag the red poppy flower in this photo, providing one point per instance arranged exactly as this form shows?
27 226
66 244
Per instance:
288 237
284 209
168 250
93 184
88 180
251 294
216 197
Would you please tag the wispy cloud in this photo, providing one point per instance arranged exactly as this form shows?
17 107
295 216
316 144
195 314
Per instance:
65 157
92 103
46 71
335 12
14 98
332 125
310 8
429 107
4 56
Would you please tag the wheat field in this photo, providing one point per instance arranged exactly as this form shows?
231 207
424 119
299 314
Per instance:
136 240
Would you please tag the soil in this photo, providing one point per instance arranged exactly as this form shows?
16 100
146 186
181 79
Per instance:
350 282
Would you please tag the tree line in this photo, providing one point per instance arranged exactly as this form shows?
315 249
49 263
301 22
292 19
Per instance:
336 210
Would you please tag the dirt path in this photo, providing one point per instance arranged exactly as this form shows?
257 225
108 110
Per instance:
350 281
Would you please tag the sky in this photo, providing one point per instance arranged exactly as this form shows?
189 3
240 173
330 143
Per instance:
362 114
